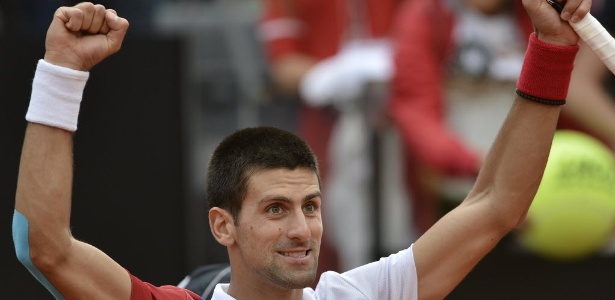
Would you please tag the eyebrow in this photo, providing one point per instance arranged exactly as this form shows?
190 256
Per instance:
286 199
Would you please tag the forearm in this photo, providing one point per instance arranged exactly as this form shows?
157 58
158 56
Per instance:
44 188
46 170
514 166
513 169
68 268
505 187
41 231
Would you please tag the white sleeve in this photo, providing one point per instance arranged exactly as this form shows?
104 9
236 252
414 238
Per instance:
392 277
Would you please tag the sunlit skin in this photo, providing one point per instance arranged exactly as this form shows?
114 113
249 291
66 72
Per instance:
275 245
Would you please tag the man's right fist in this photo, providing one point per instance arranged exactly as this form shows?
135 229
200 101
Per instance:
81 36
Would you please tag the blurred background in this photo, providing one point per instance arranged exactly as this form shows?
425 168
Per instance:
190 72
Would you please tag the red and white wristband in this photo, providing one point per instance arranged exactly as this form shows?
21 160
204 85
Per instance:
546 71
56 96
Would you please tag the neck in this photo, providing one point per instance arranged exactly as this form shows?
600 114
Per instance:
249 285
255 291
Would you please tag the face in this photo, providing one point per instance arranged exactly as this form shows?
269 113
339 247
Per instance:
280 228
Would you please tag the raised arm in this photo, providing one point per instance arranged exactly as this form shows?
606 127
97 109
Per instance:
78 38
513 169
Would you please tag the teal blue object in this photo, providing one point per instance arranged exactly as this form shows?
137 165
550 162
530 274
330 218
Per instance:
22 248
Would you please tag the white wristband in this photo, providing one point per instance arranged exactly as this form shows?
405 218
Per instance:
56 96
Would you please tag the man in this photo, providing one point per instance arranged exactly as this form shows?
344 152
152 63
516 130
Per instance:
266 199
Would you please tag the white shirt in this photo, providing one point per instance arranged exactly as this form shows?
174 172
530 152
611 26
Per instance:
392 277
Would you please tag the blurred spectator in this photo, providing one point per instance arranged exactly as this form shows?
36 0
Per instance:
455 65
323 53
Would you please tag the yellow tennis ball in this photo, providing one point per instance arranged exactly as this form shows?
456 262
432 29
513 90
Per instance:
573 213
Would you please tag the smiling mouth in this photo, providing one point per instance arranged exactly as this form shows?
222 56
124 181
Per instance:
296 254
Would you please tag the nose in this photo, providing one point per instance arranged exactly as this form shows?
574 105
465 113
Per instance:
298 227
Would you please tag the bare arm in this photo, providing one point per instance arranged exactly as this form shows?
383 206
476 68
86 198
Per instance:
78 38
75 269
507 182
447 252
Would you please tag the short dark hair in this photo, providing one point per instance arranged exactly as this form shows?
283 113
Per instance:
246 152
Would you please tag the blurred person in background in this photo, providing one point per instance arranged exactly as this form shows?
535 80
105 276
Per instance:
325 54
450 93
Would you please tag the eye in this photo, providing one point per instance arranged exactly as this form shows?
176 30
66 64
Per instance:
310 207
274 209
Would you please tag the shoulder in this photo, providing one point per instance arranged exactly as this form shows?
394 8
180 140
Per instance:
391 277
146 291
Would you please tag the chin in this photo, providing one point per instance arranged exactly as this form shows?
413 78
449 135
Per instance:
298 283
296 279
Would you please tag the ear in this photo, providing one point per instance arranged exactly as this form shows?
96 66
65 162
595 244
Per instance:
222 226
